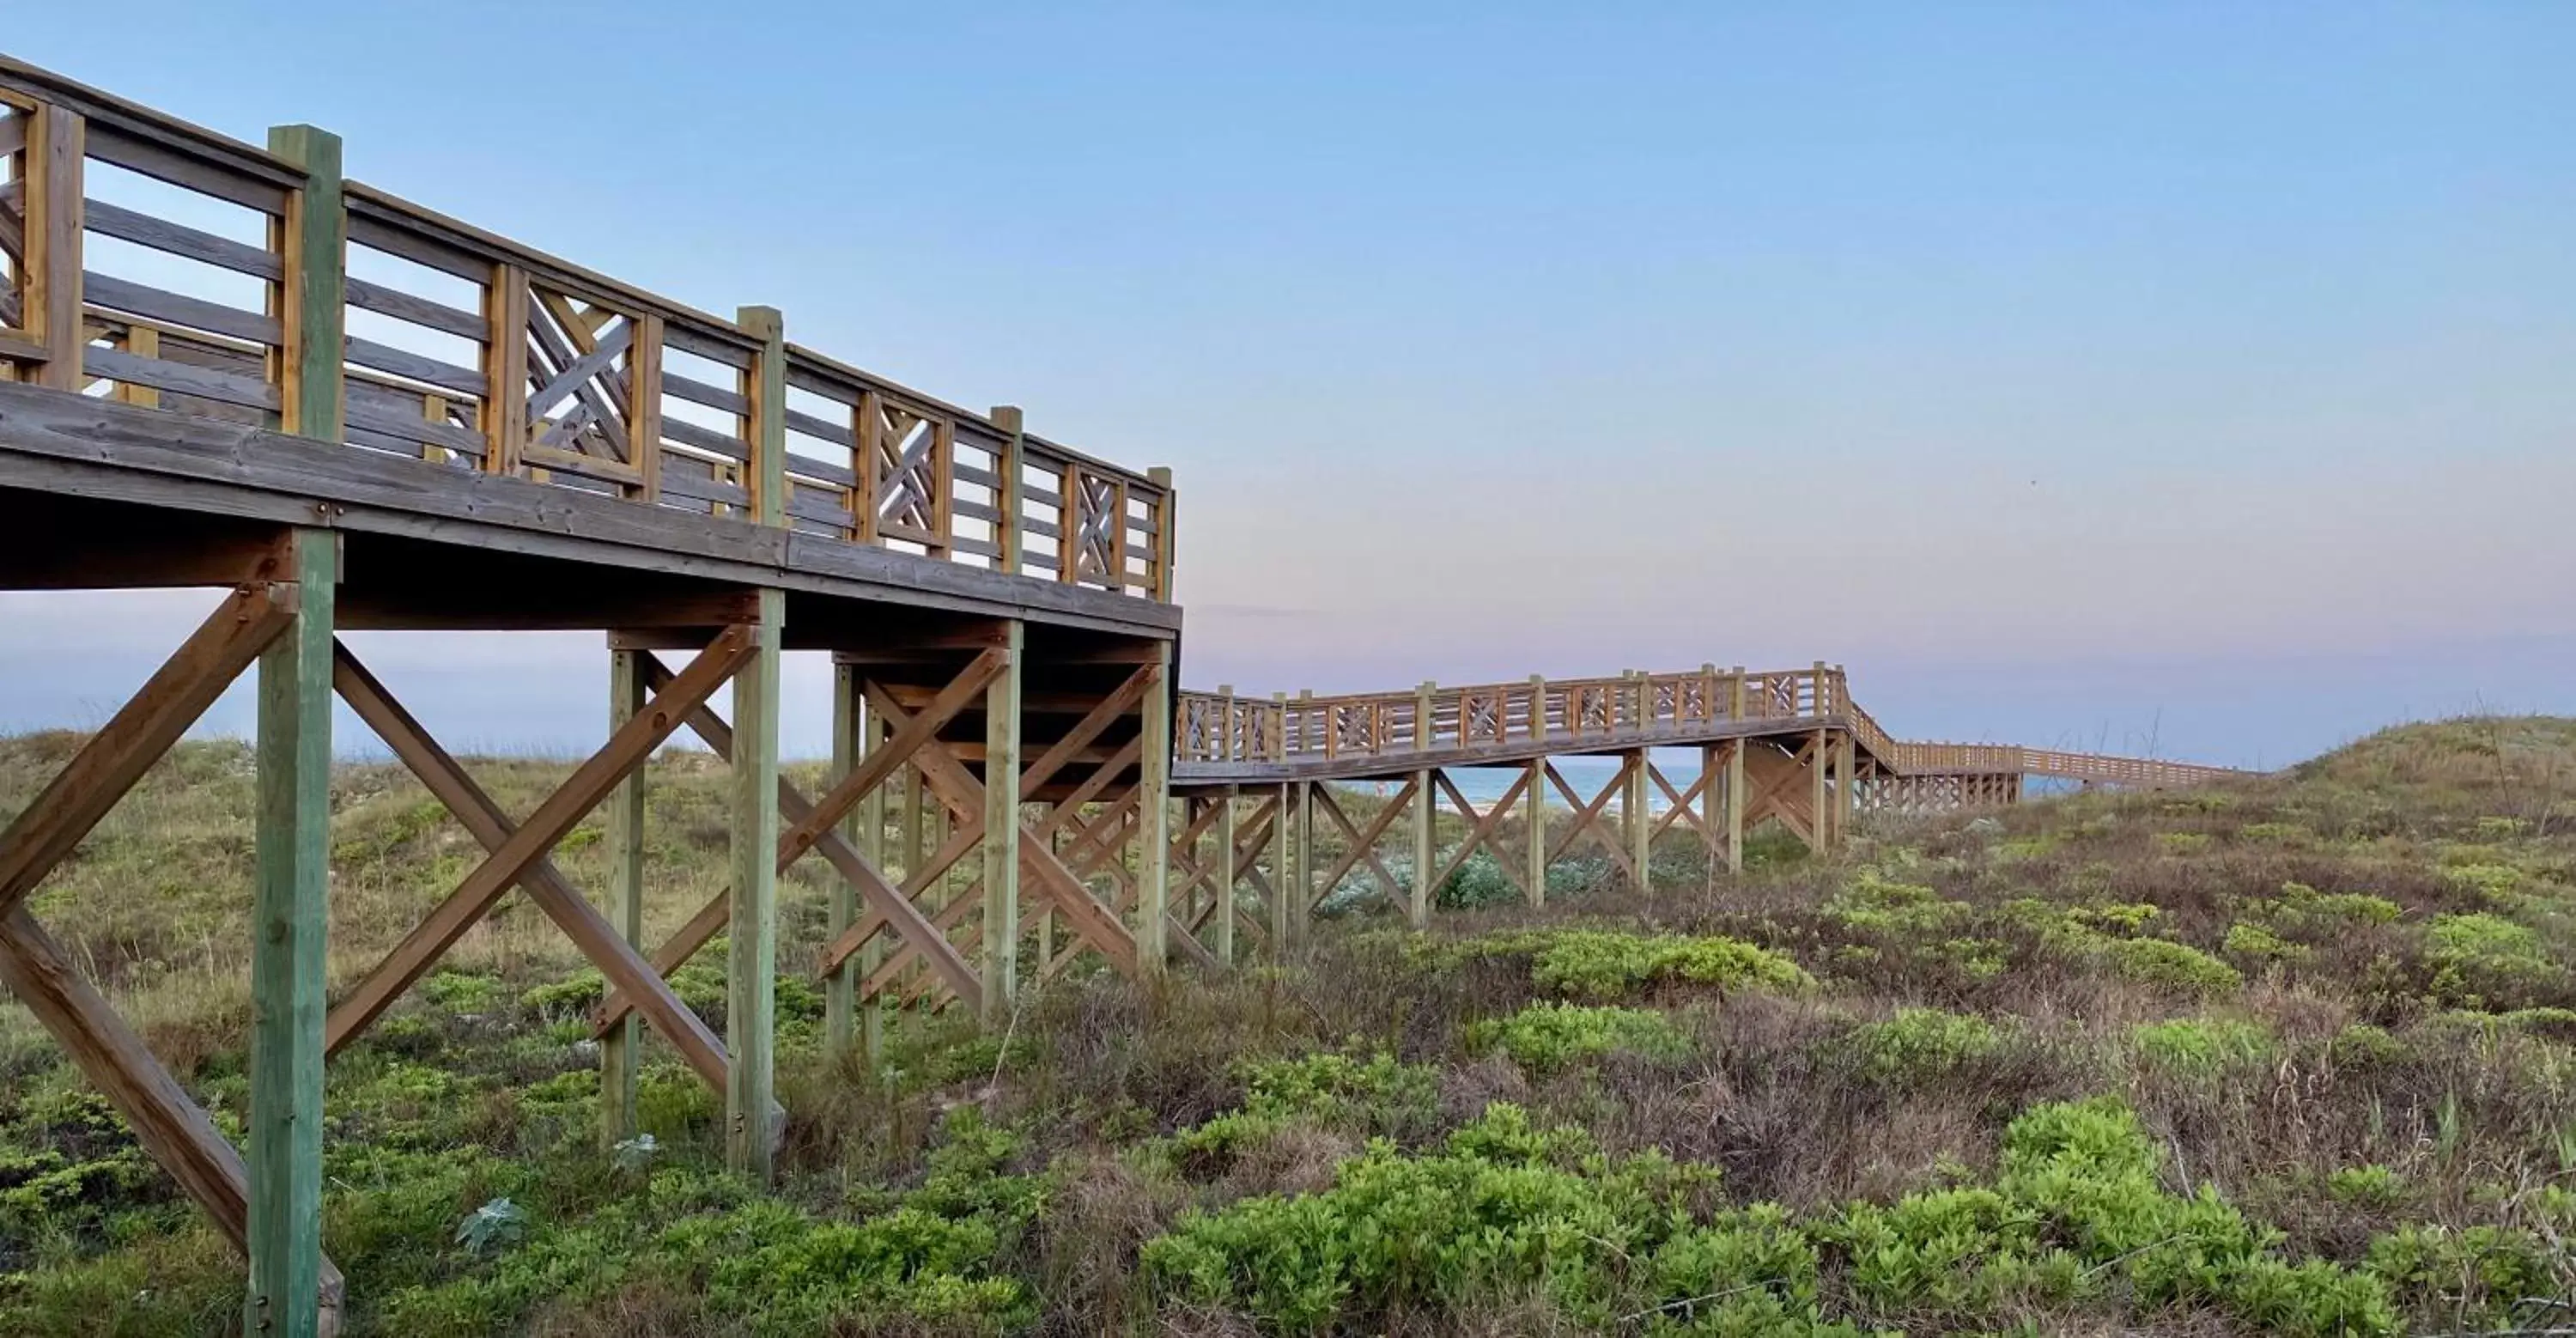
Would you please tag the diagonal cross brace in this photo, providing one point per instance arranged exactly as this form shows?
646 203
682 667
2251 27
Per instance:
484 819
626 749
886 904
139 734
172 1129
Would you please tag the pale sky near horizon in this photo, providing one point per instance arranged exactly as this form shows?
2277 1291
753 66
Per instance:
2195 378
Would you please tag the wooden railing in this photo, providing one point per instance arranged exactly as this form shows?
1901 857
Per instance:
1218 726
148 259
1635 709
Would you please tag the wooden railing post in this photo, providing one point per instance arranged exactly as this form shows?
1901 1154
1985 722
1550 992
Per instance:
1007 511
1278 727
1422 710
312 300
1166 532
56 145
765 385
1538 708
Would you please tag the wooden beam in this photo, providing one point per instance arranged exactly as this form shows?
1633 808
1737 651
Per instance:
1539 771
447 780
139 733
751 973
1154 794
626 749
1001 836
850 730
1283 867
1425 811
171 1128
1228 876
288 965
622 1048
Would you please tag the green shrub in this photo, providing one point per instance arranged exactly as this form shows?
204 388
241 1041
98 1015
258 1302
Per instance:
2200 1047
2474 1274
1921 1044
1503 1208
1871 903
2254 943
2172 967
2372 1186
2480 958
1548 1036
1602 964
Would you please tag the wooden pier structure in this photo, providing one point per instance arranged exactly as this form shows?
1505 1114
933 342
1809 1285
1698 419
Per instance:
225 365
228 366
1786 746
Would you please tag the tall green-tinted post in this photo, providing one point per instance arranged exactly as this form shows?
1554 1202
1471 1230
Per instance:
293 841
1735 779
870 821
1001 844
1153 819
1537 853
849 743
619 1050
1634 811
751 968
288 921
1283 865
1221 886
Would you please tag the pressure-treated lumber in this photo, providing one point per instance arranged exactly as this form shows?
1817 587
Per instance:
625 750
751 971
620 1049
291 879
1001 835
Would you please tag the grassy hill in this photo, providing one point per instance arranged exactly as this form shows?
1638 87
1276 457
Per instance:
2293 1055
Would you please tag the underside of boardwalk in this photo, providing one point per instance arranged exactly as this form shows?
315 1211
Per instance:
226 367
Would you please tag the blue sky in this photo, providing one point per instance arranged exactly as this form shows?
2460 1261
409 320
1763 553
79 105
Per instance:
2195 376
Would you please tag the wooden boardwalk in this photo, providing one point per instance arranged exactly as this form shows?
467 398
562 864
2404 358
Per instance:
228 366
1785 746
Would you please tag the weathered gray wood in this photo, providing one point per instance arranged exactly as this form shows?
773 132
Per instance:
261 187
154 304
200 464
204 383
751 969
112 220
392 414
712 442
699 392
422 311
404 362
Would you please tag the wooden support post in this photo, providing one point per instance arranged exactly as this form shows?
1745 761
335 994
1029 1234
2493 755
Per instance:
1537 802
1634 820
869 816
751 971
1426 809
849 741
1846 780
1283 865
1298 888
1001 840
1818 837
766 386
622 1047
312 300
1712 804
56 143
1153 825
1221 887
288 977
